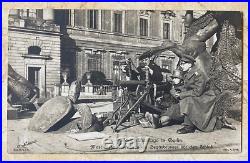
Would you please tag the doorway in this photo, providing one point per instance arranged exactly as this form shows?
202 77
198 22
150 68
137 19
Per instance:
34 77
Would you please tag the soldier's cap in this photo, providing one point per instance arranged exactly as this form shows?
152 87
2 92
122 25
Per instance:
187 58
177 74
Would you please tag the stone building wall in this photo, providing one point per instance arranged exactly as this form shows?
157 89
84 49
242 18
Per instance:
79 40
46 64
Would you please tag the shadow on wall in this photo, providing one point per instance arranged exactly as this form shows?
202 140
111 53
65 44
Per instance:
68 57
68 45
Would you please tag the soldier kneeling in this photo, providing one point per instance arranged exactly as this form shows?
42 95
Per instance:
172 114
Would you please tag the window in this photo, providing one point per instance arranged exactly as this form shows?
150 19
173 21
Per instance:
30 13
143 27
23 13
167 64
34 50
116 58
94 64
118 22
70 14
166 31
93 19
39 13
94 61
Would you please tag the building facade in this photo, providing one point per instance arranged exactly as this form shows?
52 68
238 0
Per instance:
34 47
95 40
45 42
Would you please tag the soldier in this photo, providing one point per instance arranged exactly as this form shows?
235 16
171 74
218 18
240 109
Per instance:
177 80
196 99
173 111
155 71
130 74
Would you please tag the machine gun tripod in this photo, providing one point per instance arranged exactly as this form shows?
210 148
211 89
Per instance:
141 97
118 118
145 93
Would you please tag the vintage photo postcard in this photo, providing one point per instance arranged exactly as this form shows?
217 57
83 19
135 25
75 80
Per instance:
125 81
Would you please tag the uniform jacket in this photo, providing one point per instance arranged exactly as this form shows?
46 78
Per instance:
197 100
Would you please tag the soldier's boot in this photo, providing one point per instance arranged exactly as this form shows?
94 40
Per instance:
153 119
165 120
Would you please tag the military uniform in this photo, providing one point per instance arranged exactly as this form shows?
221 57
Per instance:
173 111
197 100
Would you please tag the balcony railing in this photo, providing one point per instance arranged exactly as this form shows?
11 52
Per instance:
98 89
87 91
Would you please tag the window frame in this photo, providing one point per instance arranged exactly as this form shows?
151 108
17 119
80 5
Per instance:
115 56
144 26
118 29
166 19
34 50
144 14
93 24
166 34
96 57
39 13
166 62
26 13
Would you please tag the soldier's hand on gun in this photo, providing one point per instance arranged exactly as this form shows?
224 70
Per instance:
177 95
158 99
174 93
149 69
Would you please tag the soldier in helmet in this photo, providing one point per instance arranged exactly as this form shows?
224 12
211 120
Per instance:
172 114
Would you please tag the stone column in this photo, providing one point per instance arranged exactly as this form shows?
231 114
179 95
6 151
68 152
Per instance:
72 17
99 26
48 15
107 65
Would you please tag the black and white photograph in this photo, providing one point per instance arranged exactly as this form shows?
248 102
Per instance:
124 81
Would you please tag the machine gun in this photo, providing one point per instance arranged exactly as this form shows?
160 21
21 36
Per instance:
141 97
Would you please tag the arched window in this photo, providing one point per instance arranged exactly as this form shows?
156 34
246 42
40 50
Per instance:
34 50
